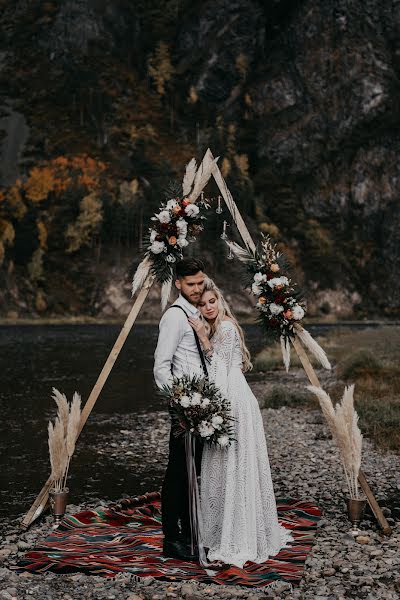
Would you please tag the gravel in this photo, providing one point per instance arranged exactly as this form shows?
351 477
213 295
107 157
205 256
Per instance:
304 465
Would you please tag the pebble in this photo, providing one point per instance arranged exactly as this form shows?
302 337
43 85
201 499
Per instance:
362 539
340 567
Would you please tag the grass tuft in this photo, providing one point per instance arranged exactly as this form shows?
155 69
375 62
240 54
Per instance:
282 395
356 363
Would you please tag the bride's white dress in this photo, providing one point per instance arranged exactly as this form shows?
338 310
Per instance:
238 508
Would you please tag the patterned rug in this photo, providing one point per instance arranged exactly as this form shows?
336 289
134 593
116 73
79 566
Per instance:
127 537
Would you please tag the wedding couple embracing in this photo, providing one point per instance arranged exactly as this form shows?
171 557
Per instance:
199 336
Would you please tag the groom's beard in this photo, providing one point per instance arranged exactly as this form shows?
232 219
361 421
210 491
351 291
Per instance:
192 300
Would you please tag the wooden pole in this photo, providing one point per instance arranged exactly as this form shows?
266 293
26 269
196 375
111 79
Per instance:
41 500
233 209
311 374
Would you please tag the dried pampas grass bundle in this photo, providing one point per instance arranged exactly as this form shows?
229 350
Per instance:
62 437
343 423
58 454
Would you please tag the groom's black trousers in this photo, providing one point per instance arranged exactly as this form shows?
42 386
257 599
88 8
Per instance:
174 495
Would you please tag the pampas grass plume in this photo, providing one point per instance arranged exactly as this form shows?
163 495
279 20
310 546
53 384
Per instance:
62 436
189 176
73 423
63 408
343 423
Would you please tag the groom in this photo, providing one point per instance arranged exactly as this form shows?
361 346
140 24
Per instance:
178 353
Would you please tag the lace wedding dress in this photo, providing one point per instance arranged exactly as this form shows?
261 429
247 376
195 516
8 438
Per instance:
239 515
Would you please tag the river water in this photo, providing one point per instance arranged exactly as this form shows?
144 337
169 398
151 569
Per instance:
33 360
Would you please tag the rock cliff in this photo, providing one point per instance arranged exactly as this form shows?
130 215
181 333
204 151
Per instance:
300 99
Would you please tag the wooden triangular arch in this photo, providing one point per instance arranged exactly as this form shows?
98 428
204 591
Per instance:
207 168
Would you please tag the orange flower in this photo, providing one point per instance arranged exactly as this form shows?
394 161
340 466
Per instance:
274 268
172 240
262 300
288 314
176 210
280 286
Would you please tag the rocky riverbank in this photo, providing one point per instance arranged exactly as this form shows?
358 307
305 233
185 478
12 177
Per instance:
304 464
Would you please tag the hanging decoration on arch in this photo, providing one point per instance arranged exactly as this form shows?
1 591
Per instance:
279 302
177 223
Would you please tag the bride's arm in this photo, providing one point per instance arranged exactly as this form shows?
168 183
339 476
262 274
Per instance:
200 329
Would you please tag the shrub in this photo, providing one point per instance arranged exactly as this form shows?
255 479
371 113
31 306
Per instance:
282 395
357 362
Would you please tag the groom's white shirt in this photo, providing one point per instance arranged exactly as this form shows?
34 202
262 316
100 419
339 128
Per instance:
176 345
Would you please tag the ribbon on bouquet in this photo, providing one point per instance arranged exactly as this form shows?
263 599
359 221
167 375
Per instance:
196 524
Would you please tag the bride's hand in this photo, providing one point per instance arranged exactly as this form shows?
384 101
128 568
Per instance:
199 327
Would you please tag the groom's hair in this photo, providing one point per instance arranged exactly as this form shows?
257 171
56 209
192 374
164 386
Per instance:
188 266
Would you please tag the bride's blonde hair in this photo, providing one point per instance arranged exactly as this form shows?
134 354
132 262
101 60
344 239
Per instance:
223 312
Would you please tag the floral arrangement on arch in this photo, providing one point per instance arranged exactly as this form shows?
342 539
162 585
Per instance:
199 408
278 301
176 224
280 304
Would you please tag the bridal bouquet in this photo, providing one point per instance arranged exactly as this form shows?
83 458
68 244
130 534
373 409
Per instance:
199 408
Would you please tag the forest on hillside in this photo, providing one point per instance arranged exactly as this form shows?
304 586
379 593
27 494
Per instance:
103 103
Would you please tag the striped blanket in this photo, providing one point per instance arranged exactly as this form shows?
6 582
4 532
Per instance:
127 537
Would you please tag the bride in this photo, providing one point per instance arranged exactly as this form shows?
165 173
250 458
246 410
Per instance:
239 515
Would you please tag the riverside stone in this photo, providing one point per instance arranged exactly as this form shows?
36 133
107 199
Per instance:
338 566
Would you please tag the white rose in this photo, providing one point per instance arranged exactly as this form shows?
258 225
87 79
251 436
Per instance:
278 281
259 277
223 440
217 421
164 216
196 399
275 308
157 247
206 402
256 289
171 204
153 235
206 429
185 401
298 312
182 227
182 242
192 210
